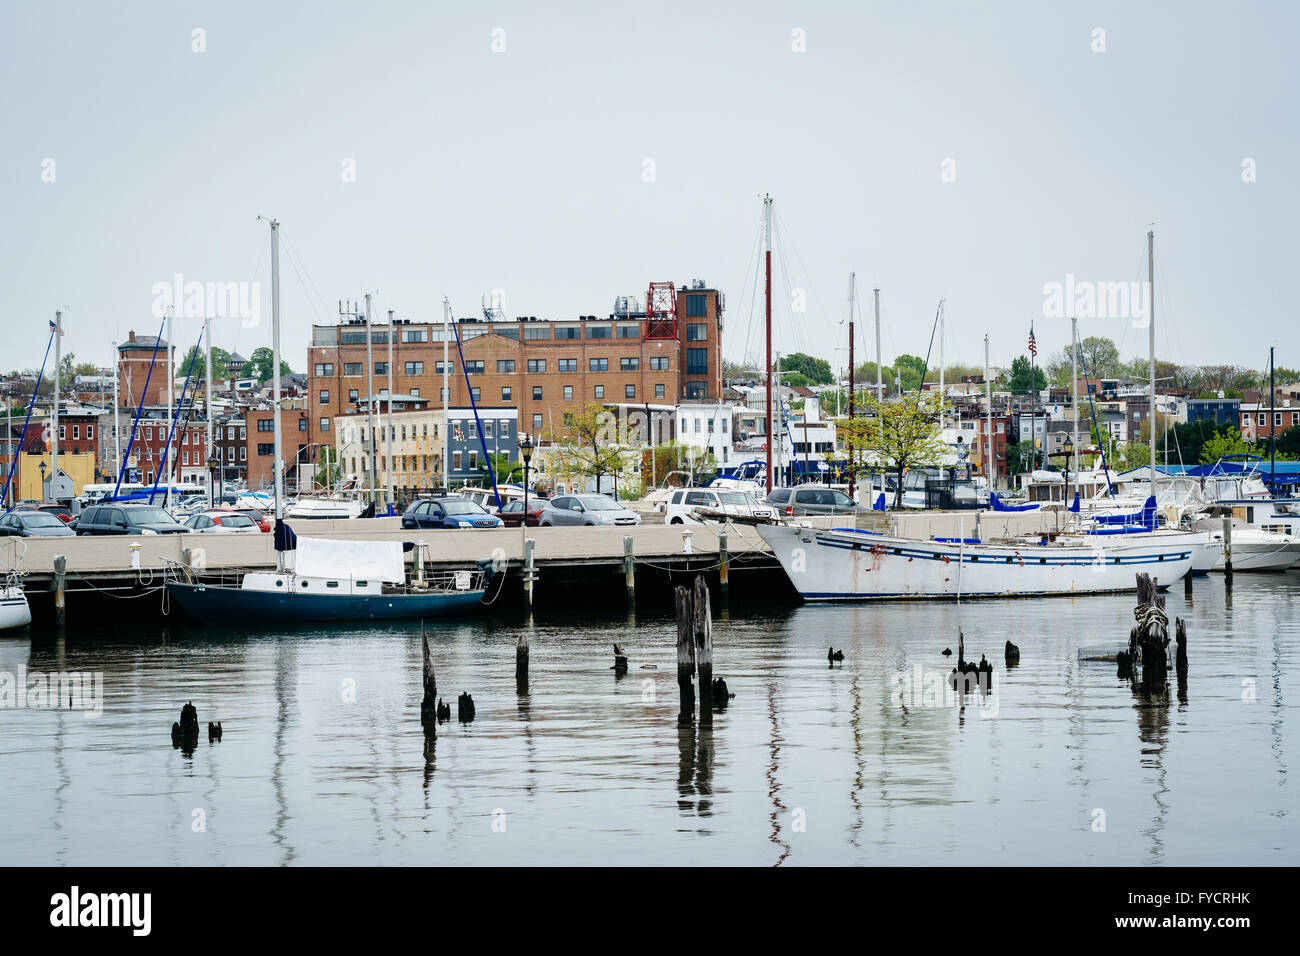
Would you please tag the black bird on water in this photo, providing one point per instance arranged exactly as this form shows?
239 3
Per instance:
833 655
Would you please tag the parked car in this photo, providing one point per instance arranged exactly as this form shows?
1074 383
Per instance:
30 523
812 500
62 512
684 502
221 521
448 513
585 510
121 518
258 517
512 513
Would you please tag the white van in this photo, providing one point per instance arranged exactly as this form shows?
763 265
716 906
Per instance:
682 505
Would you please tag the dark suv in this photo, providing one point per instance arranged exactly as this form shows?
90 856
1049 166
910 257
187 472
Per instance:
127 519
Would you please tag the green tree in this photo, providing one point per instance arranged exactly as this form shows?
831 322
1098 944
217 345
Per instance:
328 471
1101 355
260 364
594 431
220 358
903 434
506 470
1226 442
1186 439
1026 378
815 371
1020 457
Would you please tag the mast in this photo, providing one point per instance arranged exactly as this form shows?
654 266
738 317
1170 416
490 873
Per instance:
54 425
171 405
880 381
1074 402
207 404
117 430
391 484
941 303
852 454
446 392
988 412
278 461
370 403
1272 422
1151 340
767 255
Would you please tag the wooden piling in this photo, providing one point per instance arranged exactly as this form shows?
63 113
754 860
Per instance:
1187 583
685 654
429 704
629 569
530 572
521 662
724 569
1180 656
60 589
1227 552
702 626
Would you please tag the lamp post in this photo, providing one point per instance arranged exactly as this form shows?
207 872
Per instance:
1069 450
526 449
213 463
45 494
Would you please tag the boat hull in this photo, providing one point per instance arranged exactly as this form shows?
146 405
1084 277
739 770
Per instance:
14 611
216 604
847 565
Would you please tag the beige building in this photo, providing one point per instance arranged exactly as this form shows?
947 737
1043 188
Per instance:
411 462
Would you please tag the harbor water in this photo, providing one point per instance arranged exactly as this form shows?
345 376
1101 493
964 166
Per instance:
323 759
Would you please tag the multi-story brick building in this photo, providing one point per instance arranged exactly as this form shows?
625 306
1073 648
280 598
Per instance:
137 365
1259 421
542 368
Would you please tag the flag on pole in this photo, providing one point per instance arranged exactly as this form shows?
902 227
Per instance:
53 327
1033 345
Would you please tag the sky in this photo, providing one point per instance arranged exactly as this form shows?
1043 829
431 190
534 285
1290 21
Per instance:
568 153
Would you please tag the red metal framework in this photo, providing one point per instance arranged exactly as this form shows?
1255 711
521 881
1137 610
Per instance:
661 311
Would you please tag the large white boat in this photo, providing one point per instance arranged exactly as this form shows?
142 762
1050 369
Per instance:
1253 549
14 611
845 564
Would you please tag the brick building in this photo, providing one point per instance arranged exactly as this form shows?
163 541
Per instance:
1260 421
137 365
541 368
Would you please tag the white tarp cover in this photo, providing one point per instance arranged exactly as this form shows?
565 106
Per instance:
358 560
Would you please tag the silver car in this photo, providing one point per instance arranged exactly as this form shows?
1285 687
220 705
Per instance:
222 522
586 510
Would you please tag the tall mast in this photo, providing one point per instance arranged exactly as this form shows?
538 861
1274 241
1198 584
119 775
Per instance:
446 392
1272 422
391 484
278 460
370 403
767 255
852 453
1151 340
54 425
941 303
1074 402
207 404
988 412
117 430
880 380
171 404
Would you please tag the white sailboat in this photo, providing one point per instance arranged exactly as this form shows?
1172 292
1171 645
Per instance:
14 610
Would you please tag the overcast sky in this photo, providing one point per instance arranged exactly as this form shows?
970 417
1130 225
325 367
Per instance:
568 153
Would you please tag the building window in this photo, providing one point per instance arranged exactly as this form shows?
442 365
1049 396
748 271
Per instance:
302 427
1262 418
537 423
569 332
629 391
659 391
353 395
185 458
351 368
381 368
455 461
413 335
90 430
598 364
324 396
696 389
505 366
537 332
536 365
696 332
324 424
537 393
230 454
568 393
697 361
76 429
1277 420
599 391
629 332
414 368
659 363
243 452
598 332
487 428
629 364
324 369
696 305
475 393
505 393
265 425
568 365
474 367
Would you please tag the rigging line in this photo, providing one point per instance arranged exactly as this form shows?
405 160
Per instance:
293 264
797 333
293 253
799 259
752 264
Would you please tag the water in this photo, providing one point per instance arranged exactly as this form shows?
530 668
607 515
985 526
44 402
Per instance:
324 760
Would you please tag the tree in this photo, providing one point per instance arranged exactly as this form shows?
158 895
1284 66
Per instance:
506 470
328 471
594 431
259 364
1100 355
1288 442
220 358
816 371
1026 378
794 379
903 433
1227 442
1186 439
1020 457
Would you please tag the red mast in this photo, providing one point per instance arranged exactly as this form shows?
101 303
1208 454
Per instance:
771 430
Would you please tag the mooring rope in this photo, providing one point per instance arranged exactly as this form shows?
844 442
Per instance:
1149 614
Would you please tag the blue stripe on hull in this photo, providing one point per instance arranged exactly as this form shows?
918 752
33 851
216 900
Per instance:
965 595
234 605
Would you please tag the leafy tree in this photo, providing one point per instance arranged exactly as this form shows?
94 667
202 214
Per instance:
85 368
506 470
260 364
794 379
1101 355
816 371
220 360
1288 443
903 434
594 431
1026 378
1226 442
328 471
1186 439
914 362
1020 457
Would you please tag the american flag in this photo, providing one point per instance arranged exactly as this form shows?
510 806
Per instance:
52 327
1033 345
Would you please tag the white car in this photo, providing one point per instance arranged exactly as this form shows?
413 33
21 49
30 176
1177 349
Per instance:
681 506
221 522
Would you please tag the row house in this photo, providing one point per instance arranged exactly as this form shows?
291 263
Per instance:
1260 422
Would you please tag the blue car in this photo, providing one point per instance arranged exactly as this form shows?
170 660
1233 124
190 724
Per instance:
448 513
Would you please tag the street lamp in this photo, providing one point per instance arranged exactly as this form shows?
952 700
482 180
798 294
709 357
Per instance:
45 494
526 449
1069 450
